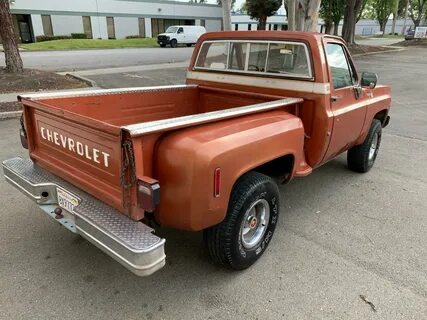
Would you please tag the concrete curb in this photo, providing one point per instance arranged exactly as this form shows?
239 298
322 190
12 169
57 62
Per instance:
10 115
378 52
88 81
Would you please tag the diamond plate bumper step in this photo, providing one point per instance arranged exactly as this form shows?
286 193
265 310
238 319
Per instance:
129 242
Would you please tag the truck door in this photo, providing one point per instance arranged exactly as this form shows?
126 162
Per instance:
180 35
348 109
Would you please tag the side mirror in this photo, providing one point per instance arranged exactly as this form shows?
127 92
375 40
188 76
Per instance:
369 80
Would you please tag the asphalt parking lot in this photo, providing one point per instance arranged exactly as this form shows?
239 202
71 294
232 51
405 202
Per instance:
348 246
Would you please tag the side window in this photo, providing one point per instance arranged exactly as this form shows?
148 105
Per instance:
180 30
341 72
257 56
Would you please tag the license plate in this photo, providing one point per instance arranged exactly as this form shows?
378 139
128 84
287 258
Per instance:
66 200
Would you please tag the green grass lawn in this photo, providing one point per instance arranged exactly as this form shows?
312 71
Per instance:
70 44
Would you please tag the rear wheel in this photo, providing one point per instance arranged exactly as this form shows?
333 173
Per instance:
361 158
174 43
243 236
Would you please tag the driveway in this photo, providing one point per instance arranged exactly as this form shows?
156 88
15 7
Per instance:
348 245
105 58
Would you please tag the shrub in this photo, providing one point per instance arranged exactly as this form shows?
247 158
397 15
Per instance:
50 38
78 36
136 36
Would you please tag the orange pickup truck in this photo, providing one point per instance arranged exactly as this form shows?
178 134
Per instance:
258 109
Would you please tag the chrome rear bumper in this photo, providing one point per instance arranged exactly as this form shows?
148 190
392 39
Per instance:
129 242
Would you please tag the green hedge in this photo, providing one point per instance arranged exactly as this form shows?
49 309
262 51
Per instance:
50 38
78 36
134 37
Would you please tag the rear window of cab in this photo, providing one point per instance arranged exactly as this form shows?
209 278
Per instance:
277 58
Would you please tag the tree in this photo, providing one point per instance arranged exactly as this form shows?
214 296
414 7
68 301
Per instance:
383 10
417 11
302 14
261 10
307 14
332 11
290 6
226 14
351 11
11 52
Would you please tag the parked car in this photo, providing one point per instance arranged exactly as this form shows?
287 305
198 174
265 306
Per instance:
259 108
410 33
176 35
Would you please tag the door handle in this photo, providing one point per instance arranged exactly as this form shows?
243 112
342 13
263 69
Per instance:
335 98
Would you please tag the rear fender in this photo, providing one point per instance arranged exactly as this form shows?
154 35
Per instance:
187 160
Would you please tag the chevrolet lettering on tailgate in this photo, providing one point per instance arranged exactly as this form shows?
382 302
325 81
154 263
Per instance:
75 146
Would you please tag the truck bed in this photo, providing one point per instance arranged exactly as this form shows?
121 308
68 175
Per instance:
80 136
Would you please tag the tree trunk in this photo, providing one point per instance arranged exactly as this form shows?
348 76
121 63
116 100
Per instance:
336 27
291 15
262 23
312 8
406 17
12 57
299 16
226 15
351 10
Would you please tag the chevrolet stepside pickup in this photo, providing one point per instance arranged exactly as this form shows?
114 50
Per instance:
258 108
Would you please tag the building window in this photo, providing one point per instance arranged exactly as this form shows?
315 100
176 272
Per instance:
47 25
203 23
249 27
236 27
110 28
269 26
87 27
275 27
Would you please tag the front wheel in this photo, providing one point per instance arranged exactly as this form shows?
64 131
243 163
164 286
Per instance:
361 158
174 43
243 236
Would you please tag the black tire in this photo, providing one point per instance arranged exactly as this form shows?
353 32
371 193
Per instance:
358 157
189 44
163 45
174 43
225 241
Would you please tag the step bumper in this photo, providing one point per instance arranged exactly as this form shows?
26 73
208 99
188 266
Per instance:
129 242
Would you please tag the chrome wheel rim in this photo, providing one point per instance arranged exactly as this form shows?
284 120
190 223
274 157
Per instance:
373 147
255 223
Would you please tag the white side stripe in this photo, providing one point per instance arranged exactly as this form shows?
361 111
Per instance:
273 83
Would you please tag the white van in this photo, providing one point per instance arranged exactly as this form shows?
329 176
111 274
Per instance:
175 35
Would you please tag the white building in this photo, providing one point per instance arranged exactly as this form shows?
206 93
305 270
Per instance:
280 22
108 18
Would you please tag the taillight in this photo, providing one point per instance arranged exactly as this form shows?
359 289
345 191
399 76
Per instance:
148 194
217 182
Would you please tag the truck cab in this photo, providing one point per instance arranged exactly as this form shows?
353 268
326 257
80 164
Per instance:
258 109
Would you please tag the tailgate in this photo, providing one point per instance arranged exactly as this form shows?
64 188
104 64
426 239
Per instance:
81 150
